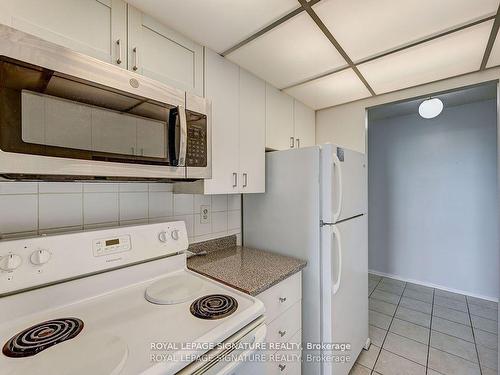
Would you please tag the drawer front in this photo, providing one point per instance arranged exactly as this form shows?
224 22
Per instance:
282 296
285 361
284 327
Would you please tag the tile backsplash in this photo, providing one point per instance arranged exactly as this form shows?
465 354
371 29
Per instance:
31 208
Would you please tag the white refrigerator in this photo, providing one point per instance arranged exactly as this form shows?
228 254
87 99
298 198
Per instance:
315 208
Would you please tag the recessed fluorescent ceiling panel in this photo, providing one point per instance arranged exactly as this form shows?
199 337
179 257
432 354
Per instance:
290 53
366 28
336 88
217 24
457 53
494 59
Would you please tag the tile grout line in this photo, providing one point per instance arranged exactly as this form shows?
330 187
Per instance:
388 328
473 336
430 332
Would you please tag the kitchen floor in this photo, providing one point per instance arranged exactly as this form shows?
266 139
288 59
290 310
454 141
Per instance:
420 330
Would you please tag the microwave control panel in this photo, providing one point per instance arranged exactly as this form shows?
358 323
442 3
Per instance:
196 153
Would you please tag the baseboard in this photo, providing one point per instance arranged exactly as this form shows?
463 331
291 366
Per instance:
397 277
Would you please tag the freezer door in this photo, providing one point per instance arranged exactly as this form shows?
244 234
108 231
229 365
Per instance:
344 183
344 281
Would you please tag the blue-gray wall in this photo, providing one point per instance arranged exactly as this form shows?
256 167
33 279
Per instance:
433 198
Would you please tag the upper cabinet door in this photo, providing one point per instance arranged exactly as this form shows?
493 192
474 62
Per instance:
279 119
305 125
92 27
252 133
162 54
222 83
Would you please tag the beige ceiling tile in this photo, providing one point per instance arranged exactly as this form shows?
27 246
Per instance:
494 59
457 53
336 88
217 24
367 27
290 53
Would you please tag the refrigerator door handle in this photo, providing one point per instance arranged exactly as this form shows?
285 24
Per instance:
338 242
338 170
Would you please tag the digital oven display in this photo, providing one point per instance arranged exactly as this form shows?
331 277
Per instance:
112 242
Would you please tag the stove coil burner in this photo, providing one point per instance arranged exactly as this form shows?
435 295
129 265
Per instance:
35 339
213 306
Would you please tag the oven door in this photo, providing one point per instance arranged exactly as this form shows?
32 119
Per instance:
65 115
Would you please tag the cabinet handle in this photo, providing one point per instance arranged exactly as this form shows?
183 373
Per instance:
136 59
282 299
298 142
119 59
292 142
282 367
235 179
142 152
133 150
282 333
245 179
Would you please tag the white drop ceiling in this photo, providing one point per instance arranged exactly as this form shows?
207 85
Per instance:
330 52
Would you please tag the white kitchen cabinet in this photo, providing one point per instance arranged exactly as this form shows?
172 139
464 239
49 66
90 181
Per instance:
304 125
252 126
92 27
222 82
279 119
283 303
289 123
160 53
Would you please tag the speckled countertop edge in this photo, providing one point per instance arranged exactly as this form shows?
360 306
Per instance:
249 270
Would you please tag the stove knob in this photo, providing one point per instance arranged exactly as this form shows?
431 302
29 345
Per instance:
162 236
40 257
10 262
175 234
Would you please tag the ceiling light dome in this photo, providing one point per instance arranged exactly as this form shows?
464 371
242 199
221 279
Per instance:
430 108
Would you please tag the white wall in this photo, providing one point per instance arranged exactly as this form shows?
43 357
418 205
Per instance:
432 198
345 124
31 208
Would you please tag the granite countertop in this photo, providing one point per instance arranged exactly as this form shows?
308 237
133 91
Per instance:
250 270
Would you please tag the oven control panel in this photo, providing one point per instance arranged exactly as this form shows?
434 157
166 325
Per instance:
111 245
30 262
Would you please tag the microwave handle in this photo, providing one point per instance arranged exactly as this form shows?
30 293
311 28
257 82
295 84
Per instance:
183 137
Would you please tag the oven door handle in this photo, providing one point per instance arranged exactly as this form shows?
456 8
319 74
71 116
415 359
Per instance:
259 337
183 137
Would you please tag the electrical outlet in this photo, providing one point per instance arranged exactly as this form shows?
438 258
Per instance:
204 214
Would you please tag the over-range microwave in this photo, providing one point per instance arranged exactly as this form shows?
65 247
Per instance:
64 115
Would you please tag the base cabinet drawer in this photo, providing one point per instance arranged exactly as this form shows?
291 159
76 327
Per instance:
285 361
282 296
285 326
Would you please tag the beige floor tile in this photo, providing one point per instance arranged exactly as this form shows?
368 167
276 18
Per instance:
487 339
392 364
454 345
420 296
416 305
450 314
390 288
377 335
488 371
382 307
453 329
410 330
451 295
394 282
450 303
420 288
359 370
385 296
407 348
379 320
367 358
413 316
488 357
449 364
483 312
484 324
482 303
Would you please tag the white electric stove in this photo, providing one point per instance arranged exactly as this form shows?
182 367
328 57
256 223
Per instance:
119 301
